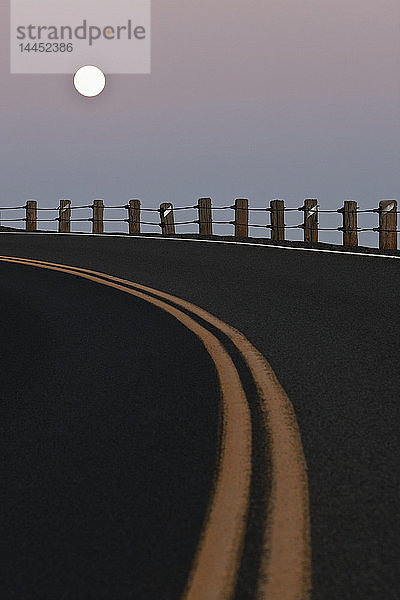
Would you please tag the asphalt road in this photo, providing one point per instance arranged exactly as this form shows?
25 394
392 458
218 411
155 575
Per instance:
110 413
329 326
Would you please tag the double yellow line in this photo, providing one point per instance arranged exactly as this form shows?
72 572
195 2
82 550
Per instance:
285 572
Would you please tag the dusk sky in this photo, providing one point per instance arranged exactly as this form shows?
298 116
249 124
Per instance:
287 99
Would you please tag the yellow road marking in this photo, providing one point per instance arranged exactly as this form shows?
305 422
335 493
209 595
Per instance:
286 561
220 549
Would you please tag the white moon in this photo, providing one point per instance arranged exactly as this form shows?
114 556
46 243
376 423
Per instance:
89 81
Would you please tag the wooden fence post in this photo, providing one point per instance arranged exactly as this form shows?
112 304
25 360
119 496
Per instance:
388 224
205 216
241 218
134 216
310 224
64 216
98 212
350 233
167 218
31 215
277 219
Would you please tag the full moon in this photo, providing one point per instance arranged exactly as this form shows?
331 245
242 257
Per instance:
89 81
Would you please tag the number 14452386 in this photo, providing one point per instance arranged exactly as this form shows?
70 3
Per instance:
47 47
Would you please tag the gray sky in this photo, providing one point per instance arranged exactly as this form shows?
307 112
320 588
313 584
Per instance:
285 99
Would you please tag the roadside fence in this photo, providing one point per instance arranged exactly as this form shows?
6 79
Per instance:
386 218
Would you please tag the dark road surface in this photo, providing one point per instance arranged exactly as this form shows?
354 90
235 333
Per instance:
109 437
328 324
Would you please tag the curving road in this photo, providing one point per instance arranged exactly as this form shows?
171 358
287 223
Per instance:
109 436
329 326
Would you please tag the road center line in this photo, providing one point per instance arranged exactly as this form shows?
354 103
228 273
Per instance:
218 556
286 561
